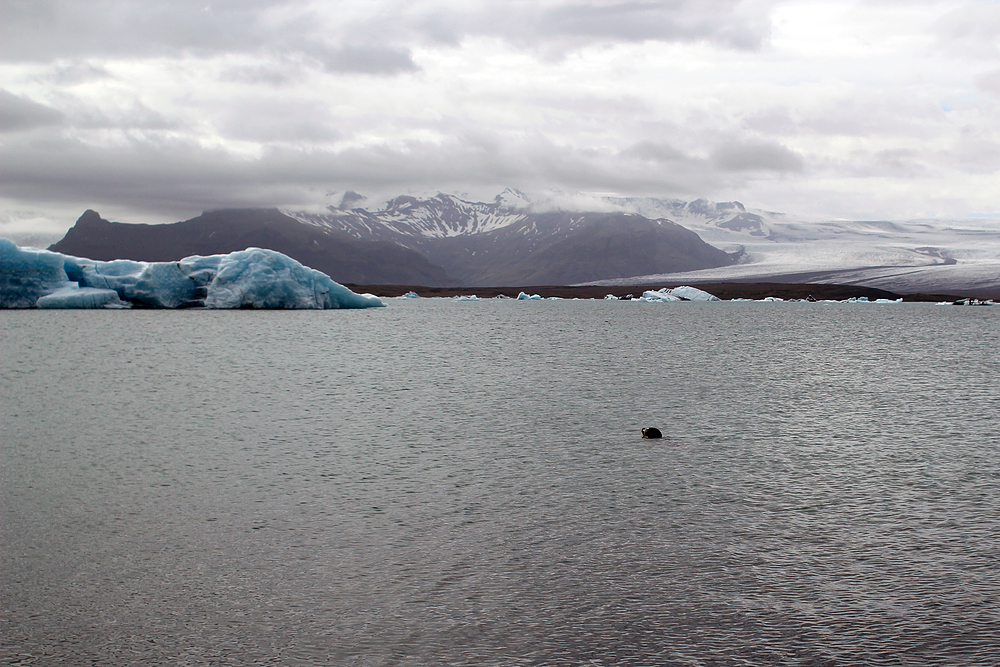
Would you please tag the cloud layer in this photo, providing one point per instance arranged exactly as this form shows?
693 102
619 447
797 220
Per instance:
158 110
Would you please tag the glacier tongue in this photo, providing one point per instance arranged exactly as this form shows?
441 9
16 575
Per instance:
251 278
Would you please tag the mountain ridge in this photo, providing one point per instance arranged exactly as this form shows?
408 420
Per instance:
440 241
338 255
445 240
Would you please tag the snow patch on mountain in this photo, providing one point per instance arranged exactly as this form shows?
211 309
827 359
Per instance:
769 244
440 216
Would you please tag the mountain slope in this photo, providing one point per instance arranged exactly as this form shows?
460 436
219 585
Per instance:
342 257
564 248
505 243
444 241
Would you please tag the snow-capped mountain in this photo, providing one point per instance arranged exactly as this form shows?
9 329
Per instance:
437 241
512 241
519 240
440 216
463 236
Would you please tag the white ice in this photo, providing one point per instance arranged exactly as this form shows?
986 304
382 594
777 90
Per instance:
932 256
251 278
682 293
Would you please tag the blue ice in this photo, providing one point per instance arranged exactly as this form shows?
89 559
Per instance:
251 278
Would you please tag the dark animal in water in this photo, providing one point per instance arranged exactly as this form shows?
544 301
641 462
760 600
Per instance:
651 433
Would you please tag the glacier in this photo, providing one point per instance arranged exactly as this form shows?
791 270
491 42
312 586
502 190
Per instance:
251 278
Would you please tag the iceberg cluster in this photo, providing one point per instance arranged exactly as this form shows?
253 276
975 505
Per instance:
251 278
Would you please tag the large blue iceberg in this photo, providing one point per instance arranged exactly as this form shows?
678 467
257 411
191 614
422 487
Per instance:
251 278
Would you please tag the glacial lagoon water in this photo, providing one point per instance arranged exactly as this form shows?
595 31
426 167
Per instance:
445 483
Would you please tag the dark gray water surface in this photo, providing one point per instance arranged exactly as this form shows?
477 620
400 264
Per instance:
463 483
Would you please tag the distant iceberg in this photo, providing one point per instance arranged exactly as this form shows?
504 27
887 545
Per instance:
251 278
682 293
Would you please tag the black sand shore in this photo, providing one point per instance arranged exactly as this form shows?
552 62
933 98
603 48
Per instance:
724 291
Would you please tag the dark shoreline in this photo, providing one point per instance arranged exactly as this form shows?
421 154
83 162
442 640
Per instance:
725 291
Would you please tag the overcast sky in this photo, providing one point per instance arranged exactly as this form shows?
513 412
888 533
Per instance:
154 110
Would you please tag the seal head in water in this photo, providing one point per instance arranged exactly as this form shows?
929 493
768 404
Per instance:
651 433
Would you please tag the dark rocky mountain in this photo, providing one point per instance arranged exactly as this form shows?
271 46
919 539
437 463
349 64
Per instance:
505 243
438 241
567 248
344 258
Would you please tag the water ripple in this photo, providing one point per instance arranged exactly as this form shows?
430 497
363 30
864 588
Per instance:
463 484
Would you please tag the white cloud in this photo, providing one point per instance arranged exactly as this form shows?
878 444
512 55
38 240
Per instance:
972 29
165 108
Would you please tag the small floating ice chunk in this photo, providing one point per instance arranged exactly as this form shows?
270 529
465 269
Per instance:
523 296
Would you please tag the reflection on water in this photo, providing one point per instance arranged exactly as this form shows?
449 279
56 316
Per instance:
443 483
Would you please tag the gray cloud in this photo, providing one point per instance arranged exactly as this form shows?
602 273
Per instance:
901 163
662 97
372 37
989 82
182 177
660 21
858 116
133 116
275 74
728 23
976 152
371 59
19 114
756 156
653 152
775 120
77 73
268 119
43 30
